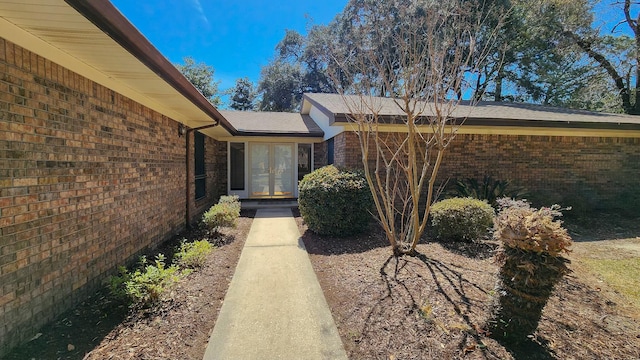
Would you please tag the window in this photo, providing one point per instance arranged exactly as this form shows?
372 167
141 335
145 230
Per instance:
199 168
304 160
330 151
236 159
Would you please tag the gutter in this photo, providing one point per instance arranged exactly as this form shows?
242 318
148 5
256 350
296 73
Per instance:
109 19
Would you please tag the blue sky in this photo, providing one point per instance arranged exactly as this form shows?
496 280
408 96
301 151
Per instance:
235 37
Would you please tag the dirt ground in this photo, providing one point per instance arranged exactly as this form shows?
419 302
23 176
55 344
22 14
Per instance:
100 328
435 305
432 306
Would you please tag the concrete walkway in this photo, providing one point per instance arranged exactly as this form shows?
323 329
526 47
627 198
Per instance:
274 308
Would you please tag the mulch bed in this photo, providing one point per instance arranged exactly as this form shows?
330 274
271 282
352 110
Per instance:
431 306
101 328
435 305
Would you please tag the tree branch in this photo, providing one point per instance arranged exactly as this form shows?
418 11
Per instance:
587 47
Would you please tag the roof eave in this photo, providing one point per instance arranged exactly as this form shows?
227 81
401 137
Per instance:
279 134
489 122
109 20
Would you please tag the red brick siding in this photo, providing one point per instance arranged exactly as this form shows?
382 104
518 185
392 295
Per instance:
595 171
88 179
319 155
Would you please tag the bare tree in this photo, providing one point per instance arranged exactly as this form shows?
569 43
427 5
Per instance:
412 64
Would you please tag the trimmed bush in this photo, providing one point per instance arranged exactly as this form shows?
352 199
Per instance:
335 202
464 219
223 214
531 265
193 254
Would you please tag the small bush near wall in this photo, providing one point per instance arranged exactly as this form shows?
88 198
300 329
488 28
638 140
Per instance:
223 214
145 286
488 189
335 202
461 219
193 255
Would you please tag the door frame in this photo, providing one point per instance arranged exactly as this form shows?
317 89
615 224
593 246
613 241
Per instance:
273 171
245 192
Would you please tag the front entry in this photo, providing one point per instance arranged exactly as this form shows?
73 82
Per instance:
271 170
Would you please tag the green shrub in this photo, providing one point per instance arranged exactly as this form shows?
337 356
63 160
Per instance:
145 286
194 254
232 200
223 214
335 202
488 189
461 219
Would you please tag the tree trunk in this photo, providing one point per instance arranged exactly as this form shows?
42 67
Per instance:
635 110
497 96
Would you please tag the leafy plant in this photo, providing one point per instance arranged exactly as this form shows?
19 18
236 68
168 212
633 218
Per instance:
426 311
232 200
145 286
223 214
531 265
461 219
193 254
488 189
335 202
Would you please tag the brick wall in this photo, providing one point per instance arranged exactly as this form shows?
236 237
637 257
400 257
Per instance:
584 172
88 180
346 150
588 173
319 155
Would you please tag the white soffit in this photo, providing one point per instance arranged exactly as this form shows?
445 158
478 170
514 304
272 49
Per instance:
56 31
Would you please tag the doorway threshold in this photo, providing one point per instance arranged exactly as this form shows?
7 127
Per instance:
269 203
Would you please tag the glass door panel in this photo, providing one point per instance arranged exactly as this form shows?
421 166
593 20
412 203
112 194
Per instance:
272 170
260 170
282 170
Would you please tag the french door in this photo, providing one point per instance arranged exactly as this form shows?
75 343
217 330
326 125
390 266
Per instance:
271 170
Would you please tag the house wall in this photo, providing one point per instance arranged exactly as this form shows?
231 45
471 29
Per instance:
215 157
88 180
587 173
319 155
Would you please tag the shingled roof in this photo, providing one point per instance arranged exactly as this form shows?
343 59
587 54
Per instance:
251 123
483 113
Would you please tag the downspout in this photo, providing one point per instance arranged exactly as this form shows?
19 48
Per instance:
187 162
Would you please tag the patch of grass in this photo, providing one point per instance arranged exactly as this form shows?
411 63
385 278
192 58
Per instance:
622 274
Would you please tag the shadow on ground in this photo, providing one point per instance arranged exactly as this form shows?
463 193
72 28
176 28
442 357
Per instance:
452 284
80 330
76 332
473 249
602 226
327 245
